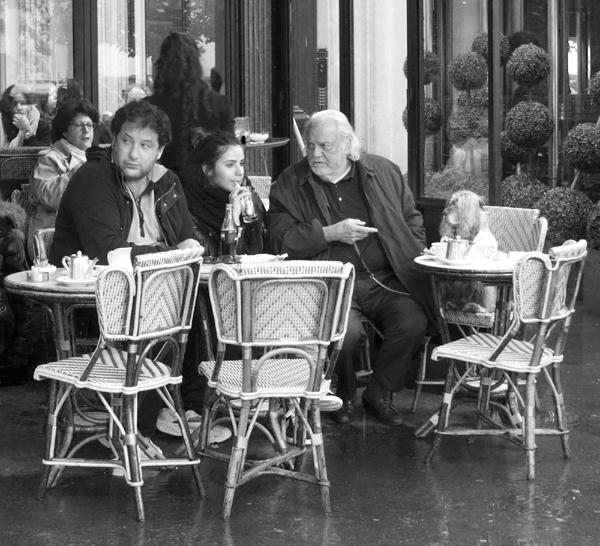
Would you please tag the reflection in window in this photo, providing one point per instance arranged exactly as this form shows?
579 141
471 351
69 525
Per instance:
36 43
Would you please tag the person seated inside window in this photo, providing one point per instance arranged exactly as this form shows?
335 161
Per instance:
21 124
213 176
72 134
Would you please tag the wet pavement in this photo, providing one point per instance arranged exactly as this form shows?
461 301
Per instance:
472 494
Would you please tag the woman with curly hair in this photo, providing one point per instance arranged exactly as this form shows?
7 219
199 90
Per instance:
179 90
72 134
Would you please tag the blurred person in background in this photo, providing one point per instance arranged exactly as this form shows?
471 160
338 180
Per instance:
21 124
180 91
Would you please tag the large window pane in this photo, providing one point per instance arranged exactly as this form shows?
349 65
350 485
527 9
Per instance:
36 43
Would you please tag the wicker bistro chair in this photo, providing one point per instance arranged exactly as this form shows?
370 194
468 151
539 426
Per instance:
144 321
42 241
298 311
545 289
515 229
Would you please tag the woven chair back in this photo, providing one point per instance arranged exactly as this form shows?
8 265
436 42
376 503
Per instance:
18 167
155 301
546 286
262 185
279 304
42 241
517 229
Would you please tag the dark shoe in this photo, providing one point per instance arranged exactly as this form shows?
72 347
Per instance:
345 414
382 407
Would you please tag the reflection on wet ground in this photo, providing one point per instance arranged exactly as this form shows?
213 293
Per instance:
473 493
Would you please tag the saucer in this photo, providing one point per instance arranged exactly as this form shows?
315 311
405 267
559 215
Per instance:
64 279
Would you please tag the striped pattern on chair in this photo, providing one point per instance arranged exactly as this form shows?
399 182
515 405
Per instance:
144 319
296 311
545 288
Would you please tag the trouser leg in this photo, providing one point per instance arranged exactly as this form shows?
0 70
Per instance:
403 324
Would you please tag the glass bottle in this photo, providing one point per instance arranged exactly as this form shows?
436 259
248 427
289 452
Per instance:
229 236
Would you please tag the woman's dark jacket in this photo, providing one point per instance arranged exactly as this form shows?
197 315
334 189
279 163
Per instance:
96 211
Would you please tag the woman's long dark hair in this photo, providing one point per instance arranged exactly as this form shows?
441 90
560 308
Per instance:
178 75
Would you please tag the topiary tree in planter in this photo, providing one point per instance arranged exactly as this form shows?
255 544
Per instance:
521 191
431 67
593 227
432 117
581 147
480 46
529 124
567 212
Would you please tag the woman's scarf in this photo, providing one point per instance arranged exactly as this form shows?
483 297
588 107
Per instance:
205 201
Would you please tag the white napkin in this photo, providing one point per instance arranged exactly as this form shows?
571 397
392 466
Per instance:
120 258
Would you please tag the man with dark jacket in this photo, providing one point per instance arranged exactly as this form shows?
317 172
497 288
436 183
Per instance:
121 197
337 204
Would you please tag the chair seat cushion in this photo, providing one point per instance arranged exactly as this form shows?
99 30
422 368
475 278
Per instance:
108 374
278 377
478 348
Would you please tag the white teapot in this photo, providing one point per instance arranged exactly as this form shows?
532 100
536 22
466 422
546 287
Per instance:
79 267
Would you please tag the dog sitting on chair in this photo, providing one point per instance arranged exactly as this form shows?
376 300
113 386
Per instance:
464 216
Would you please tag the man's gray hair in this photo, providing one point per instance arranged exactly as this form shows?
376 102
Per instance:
335 117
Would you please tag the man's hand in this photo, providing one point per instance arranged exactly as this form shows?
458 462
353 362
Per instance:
348 231
22 123
189 243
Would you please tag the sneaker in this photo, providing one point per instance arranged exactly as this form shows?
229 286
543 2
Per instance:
330 402
167 422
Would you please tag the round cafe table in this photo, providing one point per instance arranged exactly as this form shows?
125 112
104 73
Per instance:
496 273
59 299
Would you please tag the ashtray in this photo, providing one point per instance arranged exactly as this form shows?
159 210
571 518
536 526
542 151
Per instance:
36 275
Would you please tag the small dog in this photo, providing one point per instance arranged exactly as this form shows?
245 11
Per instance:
464 216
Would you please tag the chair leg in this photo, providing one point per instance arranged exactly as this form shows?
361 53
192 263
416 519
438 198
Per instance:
444 411
50 438
319 457
187 441
422 375
561 413
133 471
236 462
529 425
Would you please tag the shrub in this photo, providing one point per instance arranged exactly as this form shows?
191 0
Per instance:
529 64
594 89
567 212
593 227
431 66
581 148
480 46
444 183
521 190
477 98
467 71
432 116
521 37
510 151
465 123
528 124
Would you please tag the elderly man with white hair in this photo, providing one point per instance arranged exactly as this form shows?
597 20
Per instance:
341 204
